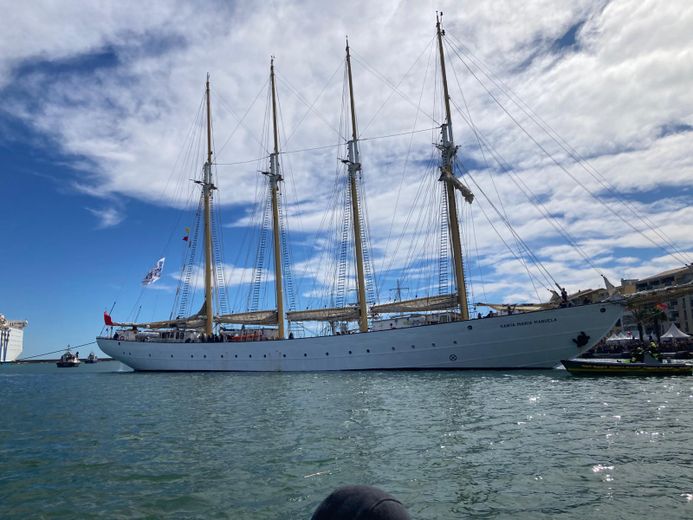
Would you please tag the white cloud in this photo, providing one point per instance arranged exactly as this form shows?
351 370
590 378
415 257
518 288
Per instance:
107 217
126 116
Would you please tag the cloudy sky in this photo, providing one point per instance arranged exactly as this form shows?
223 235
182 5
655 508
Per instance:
99 127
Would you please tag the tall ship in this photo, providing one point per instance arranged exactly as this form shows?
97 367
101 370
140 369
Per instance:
435 332
11 339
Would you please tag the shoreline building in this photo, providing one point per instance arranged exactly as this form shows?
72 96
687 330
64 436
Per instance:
11 339
678 310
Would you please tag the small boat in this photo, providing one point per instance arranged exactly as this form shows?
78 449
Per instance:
616 367
68 359
91 358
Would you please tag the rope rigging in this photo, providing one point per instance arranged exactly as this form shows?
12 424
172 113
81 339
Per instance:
562 167
421 256
572 153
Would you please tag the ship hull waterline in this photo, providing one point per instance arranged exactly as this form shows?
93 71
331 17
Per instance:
519 341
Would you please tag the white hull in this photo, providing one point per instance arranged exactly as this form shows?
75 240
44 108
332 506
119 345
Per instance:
11 344
530 340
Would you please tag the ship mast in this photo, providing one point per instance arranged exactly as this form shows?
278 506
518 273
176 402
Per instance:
275 177
207 188
354 167
448 152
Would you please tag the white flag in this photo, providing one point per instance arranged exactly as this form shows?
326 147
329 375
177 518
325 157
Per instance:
154 273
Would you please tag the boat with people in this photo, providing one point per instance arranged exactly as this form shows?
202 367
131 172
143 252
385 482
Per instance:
68 360
650 366
430 332
91 358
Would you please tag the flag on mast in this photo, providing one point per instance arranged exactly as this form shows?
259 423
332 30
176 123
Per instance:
154 273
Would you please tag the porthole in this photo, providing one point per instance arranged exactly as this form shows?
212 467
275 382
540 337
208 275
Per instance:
284 355
469 327
236 355
454 342
171 355
413 346
222 356
602 309
205 356
350 352
191 356
129 353
393 348
368 350
433 344
264 355
150 355
327 353
250 355
305 355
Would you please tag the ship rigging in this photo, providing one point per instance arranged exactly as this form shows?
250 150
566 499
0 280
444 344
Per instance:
426 339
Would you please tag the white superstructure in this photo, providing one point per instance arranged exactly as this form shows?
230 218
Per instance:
11 338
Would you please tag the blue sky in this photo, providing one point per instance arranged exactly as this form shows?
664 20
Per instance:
97 103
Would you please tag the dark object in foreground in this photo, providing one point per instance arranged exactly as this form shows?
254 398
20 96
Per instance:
362 502
580 367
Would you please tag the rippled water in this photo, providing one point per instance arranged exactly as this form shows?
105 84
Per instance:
96 441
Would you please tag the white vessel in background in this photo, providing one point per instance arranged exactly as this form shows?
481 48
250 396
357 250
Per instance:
11 339
434 332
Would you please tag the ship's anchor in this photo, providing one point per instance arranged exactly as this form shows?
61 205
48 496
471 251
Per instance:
581 340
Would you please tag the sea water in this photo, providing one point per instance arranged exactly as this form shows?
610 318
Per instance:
99 441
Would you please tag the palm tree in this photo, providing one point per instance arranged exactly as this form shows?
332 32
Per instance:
648 315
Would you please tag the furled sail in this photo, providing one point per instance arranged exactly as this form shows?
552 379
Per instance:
331 314
250 318
457 184
429 303
193 322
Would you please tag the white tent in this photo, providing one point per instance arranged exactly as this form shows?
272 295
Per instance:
621 336
674 333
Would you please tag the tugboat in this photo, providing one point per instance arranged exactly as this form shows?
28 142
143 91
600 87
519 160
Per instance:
91 358
68 359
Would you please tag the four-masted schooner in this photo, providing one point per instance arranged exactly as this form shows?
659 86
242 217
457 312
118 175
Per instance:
420 339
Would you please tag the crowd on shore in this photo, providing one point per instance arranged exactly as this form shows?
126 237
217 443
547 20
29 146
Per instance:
669 348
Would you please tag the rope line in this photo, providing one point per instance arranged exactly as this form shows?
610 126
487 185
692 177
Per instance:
56 351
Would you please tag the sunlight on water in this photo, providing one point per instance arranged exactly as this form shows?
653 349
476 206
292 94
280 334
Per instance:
514 445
